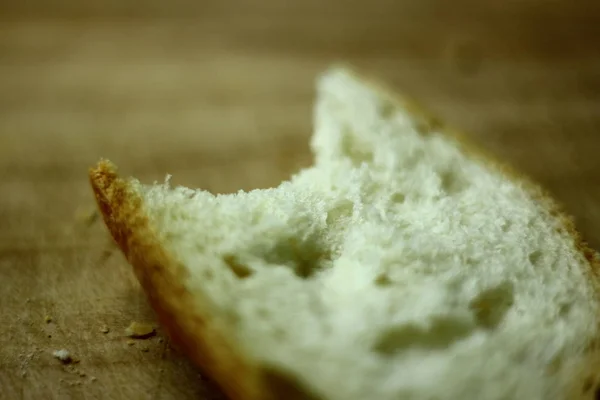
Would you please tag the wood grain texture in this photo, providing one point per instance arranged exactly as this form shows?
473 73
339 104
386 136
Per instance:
219 94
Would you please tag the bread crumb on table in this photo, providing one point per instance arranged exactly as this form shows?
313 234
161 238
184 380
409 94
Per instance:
104 329
48 319
139 330
63 355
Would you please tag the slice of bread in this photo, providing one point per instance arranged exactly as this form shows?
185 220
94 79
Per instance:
402 265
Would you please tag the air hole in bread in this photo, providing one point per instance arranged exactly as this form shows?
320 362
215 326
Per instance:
452 182
535 257
441 333
305 269
491 305
356 152
304 257
398 197
341 210
383 280
564 309
240 270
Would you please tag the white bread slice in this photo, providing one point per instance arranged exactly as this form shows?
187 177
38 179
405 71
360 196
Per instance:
402 265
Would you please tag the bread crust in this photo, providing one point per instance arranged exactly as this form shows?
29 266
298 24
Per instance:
188 318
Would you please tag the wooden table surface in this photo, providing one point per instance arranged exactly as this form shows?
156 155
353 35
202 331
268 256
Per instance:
219 94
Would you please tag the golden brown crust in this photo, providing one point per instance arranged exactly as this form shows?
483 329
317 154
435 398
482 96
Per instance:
186 317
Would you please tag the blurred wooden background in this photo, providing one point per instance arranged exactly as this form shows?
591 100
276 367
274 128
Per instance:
219 93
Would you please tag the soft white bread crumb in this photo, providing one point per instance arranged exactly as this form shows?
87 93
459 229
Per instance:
398 267
139 330
63 355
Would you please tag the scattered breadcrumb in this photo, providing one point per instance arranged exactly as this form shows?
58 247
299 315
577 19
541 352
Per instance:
131 342
63 355
139 330
48 319
93 379
104 329
82 374
160 340
145 349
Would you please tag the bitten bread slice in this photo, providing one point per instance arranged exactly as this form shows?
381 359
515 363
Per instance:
402 265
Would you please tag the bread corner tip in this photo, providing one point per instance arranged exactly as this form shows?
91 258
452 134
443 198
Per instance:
102 175
103 166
